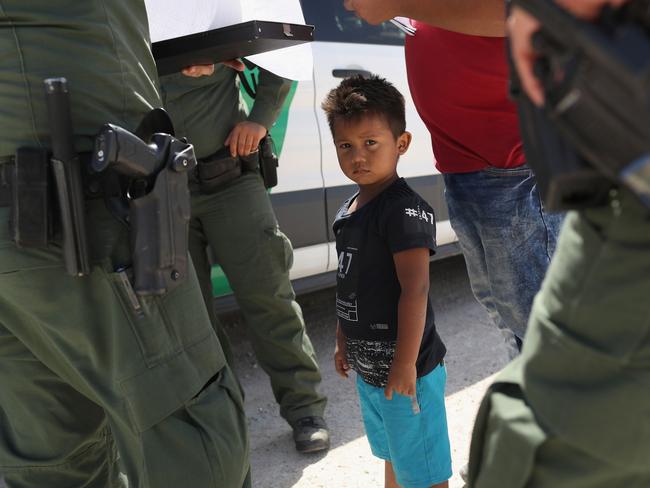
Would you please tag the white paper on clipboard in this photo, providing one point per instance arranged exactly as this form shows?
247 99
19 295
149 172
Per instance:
171 18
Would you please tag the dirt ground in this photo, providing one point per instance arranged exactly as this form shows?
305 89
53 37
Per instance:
476 351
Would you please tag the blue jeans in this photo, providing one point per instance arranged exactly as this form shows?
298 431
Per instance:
507 239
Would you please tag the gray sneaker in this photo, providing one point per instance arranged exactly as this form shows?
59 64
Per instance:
311 435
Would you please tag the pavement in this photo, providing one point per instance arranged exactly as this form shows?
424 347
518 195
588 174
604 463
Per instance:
476 351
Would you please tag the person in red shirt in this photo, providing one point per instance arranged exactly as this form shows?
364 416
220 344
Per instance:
458 76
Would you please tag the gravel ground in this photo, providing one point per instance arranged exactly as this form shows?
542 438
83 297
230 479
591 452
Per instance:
476 351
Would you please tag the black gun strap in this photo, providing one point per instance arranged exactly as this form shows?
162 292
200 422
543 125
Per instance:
249 86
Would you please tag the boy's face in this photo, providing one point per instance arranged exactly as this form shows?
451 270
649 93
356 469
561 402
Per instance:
367 149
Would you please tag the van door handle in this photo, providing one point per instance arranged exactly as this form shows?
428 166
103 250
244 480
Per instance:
346 73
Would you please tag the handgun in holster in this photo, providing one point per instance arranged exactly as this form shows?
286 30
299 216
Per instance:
158 199
593 131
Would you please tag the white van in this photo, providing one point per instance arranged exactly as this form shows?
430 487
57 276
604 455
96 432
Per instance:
311 187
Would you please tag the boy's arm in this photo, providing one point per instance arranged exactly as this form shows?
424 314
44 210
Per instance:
340 356
412 267
474 17
272 90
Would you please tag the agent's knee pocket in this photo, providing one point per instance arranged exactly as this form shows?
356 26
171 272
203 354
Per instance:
506 452
217 413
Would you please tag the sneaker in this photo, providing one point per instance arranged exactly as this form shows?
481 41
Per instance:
311 435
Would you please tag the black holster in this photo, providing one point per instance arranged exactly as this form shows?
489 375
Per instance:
159 234
158 199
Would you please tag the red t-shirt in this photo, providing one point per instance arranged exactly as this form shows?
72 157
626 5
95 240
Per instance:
459 84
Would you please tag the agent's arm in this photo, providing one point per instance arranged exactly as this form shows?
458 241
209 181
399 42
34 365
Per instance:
272 90
522 26
412 267
475 17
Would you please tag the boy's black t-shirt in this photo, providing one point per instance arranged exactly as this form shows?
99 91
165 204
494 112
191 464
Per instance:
368 290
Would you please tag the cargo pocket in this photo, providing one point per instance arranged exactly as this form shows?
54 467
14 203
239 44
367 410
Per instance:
147 322
505 441
217 413
162 325
282 252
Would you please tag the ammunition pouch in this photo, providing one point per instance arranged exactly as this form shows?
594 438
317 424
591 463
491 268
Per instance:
268 162
31 200
216 170
220 168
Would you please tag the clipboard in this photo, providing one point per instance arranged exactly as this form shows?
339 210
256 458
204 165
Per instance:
230 42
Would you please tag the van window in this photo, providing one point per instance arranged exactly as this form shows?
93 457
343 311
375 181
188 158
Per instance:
335 24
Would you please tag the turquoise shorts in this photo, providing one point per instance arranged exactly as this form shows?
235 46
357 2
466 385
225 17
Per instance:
415 442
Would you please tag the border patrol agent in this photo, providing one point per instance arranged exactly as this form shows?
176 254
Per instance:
234 217
87 382
574 410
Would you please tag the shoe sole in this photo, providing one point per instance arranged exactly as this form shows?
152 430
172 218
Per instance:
309 447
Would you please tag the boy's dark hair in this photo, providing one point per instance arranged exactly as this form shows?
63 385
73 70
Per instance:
358 97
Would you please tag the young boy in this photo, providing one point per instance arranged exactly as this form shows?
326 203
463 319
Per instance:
384 236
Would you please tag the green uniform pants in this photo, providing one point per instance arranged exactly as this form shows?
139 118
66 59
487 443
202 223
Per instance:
573 410
240 227
84 377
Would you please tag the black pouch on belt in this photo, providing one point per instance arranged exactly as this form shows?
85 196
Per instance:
218 169
268 162
31 208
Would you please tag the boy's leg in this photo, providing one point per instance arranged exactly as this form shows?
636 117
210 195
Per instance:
417 444
389 476
507 240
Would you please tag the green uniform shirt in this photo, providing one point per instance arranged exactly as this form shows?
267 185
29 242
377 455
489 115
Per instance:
206 109
102 47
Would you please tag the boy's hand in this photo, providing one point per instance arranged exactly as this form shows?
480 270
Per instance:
341 361
340 354
401 379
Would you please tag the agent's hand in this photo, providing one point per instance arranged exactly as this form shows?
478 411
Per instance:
588 9
401 379
373 11
199 70
522 26
245 138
